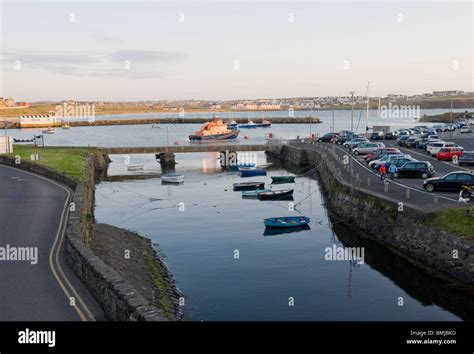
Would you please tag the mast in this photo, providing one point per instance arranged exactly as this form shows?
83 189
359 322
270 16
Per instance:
368 106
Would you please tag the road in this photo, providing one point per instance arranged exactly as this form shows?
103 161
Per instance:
406 190
33 211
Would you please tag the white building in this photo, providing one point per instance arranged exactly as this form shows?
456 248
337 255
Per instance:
38 121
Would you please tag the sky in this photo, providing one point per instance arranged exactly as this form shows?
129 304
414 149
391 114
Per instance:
218 50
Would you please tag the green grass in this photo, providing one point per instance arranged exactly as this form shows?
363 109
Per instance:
454 220
69 161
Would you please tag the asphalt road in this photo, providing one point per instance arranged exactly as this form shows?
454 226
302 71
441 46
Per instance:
32 214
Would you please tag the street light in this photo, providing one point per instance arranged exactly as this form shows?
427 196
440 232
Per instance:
352 111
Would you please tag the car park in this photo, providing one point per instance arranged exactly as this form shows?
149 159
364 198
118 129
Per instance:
415 169
367 148
467 158
449 153
451 182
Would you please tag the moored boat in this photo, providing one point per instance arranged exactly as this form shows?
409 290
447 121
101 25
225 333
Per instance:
250 125
172 178
250 172
282 194
214 130
283 179
237 167
246 186
264 124
254 193
232 125
274 231
135 168
286 221
49 131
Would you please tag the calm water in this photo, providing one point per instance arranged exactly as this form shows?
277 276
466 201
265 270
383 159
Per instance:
200 226
144 135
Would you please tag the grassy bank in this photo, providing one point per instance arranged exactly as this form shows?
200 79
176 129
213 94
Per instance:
454 220
446 117
69 161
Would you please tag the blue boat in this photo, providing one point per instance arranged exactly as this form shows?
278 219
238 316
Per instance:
237 167
249 125
252 172
286 221
254 193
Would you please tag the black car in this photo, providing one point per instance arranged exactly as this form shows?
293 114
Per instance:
390 136
327 138
401 140
451 182
411 141
415 169
377 136
467 158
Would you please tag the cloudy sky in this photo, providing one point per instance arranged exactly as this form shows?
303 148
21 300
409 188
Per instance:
124 50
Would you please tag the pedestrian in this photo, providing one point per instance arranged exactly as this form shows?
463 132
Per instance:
383 172
392 169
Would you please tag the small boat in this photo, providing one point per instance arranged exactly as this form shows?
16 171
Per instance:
282 194
49 131
286 221
135 168
66 126
264 124
214 130
156 125
246 186
254 193
249 125
283 179
250 172
237 167
172 178
232 125
274 231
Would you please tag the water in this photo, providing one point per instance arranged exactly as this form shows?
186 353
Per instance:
144 135
201 226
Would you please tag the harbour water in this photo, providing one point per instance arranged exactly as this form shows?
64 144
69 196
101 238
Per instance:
229 268
145 135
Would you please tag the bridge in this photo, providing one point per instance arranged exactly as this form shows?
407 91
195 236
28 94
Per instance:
167 157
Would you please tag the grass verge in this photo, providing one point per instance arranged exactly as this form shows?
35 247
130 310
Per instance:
454 220
69 161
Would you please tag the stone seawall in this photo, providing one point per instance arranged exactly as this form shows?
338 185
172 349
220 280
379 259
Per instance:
119 300
406 232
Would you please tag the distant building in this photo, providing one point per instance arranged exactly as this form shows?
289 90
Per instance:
37 121
22 104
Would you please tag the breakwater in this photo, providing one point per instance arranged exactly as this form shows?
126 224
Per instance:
406 231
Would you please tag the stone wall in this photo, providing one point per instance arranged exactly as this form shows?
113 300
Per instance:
119 300
406 232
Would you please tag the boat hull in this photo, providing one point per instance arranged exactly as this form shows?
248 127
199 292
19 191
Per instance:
283 179
276 195
254 193
252 172
248 186
232 135
286 222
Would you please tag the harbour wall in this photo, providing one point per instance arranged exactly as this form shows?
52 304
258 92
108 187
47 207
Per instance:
117 297
406 232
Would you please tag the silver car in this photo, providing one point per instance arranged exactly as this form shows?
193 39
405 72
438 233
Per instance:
367 148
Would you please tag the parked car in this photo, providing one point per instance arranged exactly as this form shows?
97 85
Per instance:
465 130
398 162
441 127
367 148
385 158
345 138
467 158
415 169
377 136
448 153
410 142
450 182
451 127
327 138
434 148
401 140
354 142
379 152
390 136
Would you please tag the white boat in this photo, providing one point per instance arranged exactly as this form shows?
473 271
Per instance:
156 125
172 178
49 131
135 168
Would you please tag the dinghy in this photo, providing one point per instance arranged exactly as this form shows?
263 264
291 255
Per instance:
254 193
282 194
172 179
135 168
283 179
250 172
246 186
286 221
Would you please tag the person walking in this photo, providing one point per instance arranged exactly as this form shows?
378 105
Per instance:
383 172
392 169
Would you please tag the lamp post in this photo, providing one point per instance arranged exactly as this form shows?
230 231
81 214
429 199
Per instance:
352 111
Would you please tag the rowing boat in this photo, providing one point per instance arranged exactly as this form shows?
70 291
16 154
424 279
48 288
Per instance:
246 186
283 179
282 194
286 221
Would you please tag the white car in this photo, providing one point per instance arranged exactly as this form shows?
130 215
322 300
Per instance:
465 129
434 148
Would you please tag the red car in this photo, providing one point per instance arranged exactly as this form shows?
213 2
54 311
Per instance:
448 153
381 151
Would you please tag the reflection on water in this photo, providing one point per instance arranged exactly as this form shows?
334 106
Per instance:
231 268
